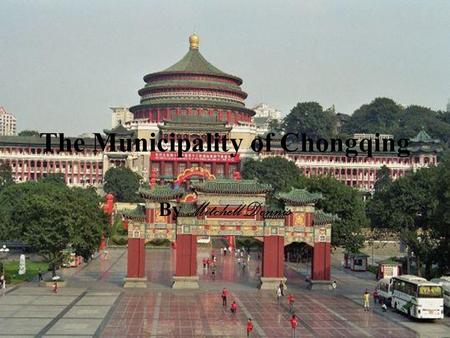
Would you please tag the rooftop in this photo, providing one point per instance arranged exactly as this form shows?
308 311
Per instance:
299 197
321 218
229 186
161 193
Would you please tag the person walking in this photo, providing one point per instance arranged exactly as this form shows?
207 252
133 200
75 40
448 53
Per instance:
294 324
213 271
281 286
291 301
278 295
233 308
55 287
39 275
204 262
3 284
224 297
366 298
249 327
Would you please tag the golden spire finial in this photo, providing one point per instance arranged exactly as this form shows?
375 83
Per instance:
194 41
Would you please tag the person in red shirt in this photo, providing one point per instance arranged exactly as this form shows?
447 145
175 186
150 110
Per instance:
204 262
294 324
233 307
249 327
291 300
208 262
224 296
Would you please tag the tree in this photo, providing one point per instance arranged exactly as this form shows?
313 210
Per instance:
442 219
311 119
347 204
415 118
276 127
382 115
52 217
280 173
53 178
123 183
408 206
383 179
29 133
6 177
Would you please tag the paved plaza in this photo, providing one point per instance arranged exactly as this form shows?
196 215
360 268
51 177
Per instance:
95 305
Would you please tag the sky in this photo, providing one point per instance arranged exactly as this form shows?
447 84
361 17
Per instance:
64 63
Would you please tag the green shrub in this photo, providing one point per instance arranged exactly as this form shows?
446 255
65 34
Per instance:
12 271
119 240
159 242
373 269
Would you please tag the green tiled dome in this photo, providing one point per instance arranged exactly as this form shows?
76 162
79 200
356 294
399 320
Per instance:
192 82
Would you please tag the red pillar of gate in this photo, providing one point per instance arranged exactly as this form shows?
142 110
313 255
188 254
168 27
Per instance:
230 240
273 257
136 258
186 253
320 267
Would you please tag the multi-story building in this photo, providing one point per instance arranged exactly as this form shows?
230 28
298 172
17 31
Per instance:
120 115
192 99
264 115
29 161
361 171
264 110
7 123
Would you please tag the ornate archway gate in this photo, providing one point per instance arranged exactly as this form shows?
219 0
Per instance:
229 208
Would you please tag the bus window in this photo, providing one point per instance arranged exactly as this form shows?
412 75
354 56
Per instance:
430 291
411 289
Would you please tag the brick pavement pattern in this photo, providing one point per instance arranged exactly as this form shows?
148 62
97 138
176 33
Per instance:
95 305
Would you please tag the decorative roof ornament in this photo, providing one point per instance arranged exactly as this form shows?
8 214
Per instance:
194 41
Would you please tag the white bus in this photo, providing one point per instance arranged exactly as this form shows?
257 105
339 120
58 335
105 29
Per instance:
417 297
445 282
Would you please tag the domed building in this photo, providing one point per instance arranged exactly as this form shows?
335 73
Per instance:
191 99
192 87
